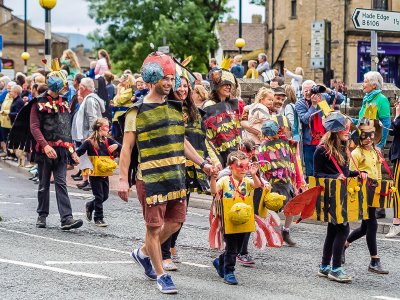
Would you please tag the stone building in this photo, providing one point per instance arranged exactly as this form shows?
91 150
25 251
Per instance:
289 32
12 30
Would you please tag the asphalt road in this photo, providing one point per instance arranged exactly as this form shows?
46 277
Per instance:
95 263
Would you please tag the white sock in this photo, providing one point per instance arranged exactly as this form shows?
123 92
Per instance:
141 254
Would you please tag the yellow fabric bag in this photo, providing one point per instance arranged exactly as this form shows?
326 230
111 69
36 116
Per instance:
229 225
102 165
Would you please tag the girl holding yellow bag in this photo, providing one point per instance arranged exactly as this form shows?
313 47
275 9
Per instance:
100 149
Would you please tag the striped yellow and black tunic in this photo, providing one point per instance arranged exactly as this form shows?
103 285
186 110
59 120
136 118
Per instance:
160 140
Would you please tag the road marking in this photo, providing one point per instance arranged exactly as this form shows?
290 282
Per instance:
88 245
11 177
385 298
88 262
16 203
389 240
66 242
30 265
195 265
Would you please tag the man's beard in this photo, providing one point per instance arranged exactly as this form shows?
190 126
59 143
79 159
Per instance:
159 90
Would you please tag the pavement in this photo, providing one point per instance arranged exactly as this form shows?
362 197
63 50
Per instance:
199 201
95 263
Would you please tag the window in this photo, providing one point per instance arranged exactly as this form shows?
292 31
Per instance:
293 8
380 4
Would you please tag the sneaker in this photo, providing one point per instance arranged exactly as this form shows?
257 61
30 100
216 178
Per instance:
287 239
339 275
324 270
245 259
169 265
393 231
145 263
175 258
89 212
41 222
78 178
82 184
376 267
87 188
71 223
218 268
100 223
166 285
230 278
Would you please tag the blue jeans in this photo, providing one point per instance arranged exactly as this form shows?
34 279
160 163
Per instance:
308 151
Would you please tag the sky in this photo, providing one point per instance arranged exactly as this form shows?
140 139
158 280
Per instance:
71 16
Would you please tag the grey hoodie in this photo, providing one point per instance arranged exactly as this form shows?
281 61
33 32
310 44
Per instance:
93 108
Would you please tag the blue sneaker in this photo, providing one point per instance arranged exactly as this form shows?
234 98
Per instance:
339 275
146 264
166 285
230 278
324 270
217 267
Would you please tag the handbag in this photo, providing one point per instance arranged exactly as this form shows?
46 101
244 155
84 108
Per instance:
103 165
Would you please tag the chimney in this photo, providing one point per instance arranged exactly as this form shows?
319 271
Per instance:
1 2
256 19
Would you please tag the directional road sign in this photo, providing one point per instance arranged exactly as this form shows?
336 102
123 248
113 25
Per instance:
378 20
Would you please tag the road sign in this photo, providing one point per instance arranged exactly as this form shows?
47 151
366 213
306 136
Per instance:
318 36
378 20
164 49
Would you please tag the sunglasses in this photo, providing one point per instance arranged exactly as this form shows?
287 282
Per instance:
242 166
365 135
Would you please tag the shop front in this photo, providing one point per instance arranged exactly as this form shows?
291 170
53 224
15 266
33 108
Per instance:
389 61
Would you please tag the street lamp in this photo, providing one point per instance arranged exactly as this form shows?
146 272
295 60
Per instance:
47 5
25 56
240 43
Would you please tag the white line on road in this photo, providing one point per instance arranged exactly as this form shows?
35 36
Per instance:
389 240
66 242
30 265
89 262
385 298
194 264
16 203
88 245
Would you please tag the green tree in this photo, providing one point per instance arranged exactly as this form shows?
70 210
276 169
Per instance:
187 25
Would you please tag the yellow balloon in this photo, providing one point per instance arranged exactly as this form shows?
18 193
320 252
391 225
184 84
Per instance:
48 4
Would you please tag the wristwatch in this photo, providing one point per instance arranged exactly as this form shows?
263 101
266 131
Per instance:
203 164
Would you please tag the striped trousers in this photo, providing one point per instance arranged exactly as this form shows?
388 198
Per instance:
396 196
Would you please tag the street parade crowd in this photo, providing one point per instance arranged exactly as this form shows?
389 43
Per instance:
175 132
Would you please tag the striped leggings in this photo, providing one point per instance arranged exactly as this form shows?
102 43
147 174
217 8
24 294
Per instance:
396 196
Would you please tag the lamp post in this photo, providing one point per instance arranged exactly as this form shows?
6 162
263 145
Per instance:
47 5
25 56
240 41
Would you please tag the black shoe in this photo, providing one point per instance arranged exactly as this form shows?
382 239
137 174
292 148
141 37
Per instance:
82 184
79 174
288 240
87 188
41 222
79 178
380 213
376 267
100 223
71 223
89 212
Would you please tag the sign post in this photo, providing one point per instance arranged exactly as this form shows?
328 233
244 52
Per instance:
376 20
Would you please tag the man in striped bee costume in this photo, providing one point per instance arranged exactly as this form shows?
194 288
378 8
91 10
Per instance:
155 126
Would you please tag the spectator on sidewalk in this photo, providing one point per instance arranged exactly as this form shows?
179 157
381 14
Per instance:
90 109
311 120
252 72
70 60
263 65
237 68
212 63
5 120
296 79
103 64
